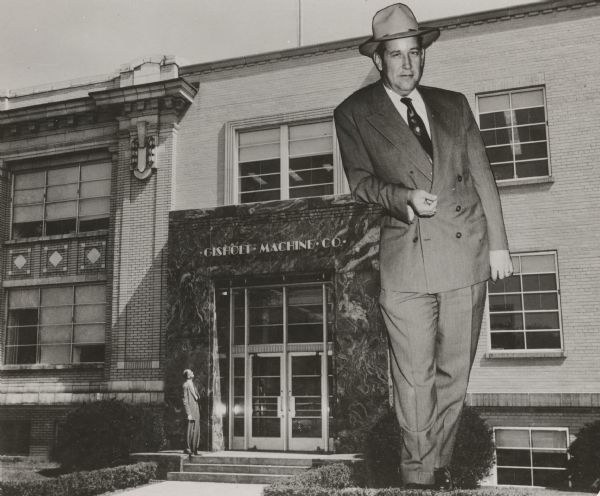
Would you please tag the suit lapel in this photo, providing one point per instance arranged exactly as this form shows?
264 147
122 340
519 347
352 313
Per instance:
442 124
386 120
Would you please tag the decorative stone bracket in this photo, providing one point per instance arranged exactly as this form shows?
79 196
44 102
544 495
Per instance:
142 152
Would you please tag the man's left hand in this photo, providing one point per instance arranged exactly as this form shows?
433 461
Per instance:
500 264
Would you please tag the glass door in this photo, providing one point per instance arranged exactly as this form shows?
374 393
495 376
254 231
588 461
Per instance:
267 414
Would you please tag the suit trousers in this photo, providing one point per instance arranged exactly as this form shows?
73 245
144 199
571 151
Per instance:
432 340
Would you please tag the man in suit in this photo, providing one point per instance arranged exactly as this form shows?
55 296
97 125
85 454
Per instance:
417 152
192 411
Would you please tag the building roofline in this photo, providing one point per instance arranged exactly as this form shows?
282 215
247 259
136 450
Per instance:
447 23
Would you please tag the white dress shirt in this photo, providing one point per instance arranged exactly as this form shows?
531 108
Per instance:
418 104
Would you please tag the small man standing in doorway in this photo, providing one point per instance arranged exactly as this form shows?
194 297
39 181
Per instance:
192 411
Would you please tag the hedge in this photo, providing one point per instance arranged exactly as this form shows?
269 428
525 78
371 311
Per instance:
393 491
84 483
584 465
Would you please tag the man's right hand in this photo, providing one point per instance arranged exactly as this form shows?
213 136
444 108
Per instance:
423 203
190 418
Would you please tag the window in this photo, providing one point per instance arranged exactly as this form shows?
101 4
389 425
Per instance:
56 325
531 457
514 130
287 161
524 309
60 201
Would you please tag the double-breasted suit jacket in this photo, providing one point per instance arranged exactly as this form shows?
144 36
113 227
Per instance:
384 160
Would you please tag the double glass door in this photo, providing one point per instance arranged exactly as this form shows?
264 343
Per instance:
280 369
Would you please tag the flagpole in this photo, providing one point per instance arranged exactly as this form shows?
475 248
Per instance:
299 23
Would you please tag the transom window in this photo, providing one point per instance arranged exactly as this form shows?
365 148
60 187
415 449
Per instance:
525 308
531 456
56 325
62 200
514 130
288 161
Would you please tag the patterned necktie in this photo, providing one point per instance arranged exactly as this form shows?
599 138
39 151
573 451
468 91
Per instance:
418 127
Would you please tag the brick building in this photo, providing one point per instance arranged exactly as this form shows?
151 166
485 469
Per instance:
171 216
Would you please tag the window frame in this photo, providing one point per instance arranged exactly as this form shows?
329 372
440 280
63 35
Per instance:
233 130
72 324
527 351
44 203
510 92
530 450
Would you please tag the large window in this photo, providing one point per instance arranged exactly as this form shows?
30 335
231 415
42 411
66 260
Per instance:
531 457
513 127
287 161
56 325
62 200
525 308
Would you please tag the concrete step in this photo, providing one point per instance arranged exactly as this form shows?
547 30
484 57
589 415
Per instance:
233 468
235 478
247 460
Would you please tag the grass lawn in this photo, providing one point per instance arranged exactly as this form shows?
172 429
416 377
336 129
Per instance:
19 468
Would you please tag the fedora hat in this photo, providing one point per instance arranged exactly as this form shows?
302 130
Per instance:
396 21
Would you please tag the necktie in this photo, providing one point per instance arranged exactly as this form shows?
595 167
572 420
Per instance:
417 126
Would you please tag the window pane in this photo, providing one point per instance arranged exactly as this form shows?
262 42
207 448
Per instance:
530 116
541 301
528 151
86 225
56 315
550 478
496 137
496 119
58 334
57 296
30 180
95 171
89 313
514 457
27 214
257 183
305 333
260 167
28 196
508 340
531 98
543 340
500 154
90 294
493 103
510 284
97 206
549 439
311 147
502 172
537 263
259 145
95 188
541 320
514 476
55 354
265 334
63 176
88 353
506 321
64 226
530 133
311 191
512 438
541 282
505 302
89 333
62 210
549 459
27 230
533 168
23 298
62 192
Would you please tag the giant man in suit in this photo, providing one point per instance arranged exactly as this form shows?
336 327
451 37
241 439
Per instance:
417 152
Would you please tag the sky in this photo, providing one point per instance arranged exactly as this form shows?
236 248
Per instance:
43 41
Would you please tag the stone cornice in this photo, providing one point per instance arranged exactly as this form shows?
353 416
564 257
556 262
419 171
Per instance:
449 23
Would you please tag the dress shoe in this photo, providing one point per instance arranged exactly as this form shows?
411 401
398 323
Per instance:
187 452
443 479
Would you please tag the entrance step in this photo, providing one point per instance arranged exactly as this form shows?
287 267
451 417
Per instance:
240 469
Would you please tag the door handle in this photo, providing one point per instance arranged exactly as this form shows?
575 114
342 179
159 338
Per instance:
279 407
292 406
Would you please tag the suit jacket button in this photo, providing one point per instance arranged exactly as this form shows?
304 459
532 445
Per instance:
459 177
458 208
459 235
415 239
411 172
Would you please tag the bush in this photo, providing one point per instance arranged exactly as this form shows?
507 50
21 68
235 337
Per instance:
584 465
324 478
84 483
104 433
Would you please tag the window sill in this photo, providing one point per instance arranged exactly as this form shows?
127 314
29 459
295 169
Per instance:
45 366
37 239
525 354
508 183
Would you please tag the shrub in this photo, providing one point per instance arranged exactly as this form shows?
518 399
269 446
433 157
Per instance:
84 483
584 465
324 478
104 433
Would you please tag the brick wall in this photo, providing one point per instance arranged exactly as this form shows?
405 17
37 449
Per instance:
553 48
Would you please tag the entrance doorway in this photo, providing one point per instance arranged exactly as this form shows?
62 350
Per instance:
279 364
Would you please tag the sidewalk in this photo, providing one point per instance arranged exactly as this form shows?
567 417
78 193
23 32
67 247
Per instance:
176 488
